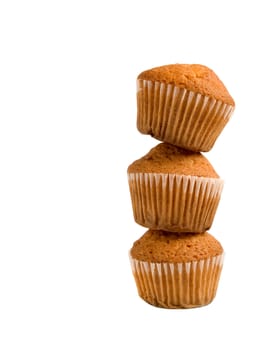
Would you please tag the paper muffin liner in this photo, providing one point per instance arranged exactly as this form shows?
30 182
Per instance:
179 116
171 202
178 285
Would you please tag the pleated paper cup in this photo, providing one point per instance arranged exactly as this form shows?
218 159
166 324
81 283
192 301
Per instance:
178 285
176 203
178 116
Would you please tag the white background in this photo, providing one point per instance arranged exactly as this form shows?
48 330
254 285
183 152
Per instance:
67 134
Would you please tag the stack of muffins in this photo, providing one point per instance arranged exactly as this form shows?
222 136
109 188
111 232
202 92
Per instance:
174 189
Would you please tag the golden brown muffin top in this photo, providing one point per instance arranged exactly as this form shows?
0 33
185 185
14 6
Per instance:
171 247
194 77
168 159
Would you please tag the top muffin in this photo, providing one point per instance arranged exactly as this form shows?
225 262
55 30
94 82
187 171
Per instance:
186 105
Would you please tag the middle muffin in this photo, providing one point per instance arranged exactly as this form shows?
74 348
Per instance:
173 189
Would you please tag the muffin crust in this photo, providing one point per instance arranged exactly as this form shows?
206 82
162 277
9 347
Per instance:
170 247
168 159
194 77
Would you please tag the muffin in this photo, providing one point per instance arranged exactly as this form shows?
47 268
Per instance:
174 189
176 270
186 105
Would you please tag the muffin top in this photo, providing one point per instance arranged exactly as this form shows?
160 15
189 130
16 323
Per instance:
160 246
194 77
169 159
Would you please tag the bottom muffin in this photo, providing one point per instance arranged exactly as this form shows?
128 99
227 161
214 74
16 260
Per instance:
176 270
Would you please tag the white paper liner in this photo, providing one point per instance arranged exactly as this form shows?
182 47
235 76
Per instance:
178 285
174 202
180 116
